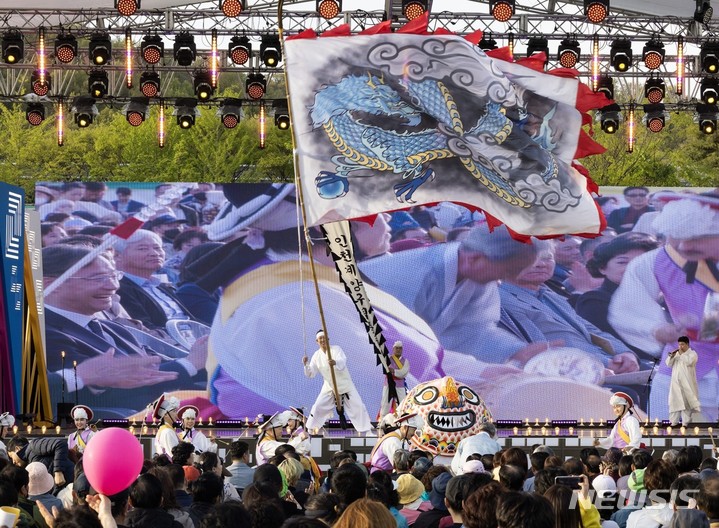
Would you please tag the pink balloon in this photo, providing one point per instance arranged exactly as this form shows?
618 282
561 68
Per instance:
112 460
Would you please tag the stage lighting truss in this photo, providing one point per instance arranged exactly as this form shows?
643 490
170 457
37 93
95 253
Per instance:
654 90
65 48
412 9
152 49
136 110
487 43
256 86
127 7
35 113
85 111
703 12
329 9
568 53
605 85
230 112
150 84
239 50
609 118
13 47
100 49
282 114
185 50
709 90
709 56
270 51
186 111
203 85
231 8
538 45
596 10
502 10
655 117
39 88
98 84
653 54
706 116
621 54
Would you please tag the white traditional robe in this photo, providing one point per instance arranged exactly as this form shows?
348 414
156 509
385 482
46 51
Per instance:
683 390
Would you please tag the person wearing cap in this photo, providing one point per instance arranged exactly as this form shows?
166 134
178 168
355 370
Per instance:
410 491
683 390
483 443
39 489
270 437
299 439
399 429
626 433
78 440
672 286
399 367
188 415
7 420
165 409
325 403
432 518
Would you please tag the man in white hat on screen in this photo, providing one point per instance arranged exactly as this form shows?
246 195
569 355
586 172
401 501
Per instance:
674 291
78 440
188 415
325 403
399 366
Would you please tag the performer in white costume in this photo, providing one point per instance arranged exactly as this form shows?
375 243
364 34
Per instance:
78 440
188 414
398 431
626 433
683 391
7 420
165 410
270 438
400 368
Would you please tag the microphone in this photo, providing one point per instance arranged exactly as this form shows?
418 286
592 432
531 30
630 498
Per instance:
673 352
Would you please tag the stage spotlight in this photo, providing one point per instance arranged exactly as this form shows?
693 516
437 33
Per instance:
282 114
100 49
538 45
568 53
13 47
65 48
152 49
501 10
229 112
39 88
203 85
605 85
610 117
655 117
85 111
706 116
621 54
654 90
412 9
98 83
150 83
239 50
709 90
703 12
329 9
127 7
137 110
653 54
487 43
186 110
231 8
256 86
596 10
35 113
270 50
709 56
184 49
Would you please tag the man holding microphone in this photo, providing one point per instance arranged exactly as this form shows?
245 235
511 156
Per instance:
683 390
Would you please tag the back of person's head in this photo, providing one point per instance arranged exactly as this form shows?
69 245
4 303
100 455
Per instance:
641 458
8 493
658 477
383 479
586 452
270 475
431 474
537 459
400 460
258 492
366 513
182 453
119 502
479 510
268 514
553 461
237 450
489 428
683 489
512 477
695 456
592 464
146 492
573 466
292 469
303 522
625 465
566 514
169 500
227 515
708 463
208 461
77 517
323 506
337 457
524 510
349 483
161 460
207 488
544 479
177 475
683 461
708 496
515 457
670 455
17 475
